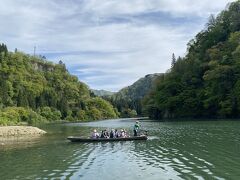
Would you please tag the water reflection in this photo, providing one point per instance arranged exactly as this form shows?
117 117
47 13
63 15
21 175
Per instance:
21 142
198 150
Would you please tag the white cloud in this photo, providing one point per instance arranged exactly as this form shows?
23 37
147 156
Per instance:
174 7
109 43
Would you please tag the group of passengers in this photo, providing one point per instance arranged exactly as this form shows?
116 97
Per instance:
114 133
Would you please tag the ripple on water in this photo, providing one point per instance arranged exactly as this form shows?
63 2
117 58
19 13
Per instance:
174 150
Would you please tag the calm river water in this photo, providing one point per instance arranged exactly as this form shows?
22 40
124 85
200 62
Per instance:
175 150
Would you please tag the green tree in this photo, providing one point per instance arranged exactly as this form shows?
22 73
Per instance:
205 82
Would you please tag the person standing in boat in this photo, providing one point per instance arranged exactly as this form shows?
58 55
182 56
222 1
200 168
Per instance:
136 128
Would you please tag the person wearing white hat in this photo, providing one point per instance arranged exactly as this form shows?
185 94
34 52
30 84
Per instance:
95 134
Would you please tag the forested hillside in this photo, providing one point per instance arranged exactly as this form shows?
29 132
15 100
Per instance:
128 100
33 90
206 82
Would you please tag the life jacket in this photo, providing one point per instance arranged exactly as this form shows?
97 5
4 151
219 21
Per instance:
136 127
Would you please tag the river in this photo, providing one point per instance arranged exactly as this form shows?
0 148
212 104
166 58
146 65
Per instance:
174 150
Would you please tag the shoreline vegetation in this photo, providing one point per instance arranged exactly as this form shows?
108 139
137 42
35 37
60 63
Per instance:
34 90
89 121
205 84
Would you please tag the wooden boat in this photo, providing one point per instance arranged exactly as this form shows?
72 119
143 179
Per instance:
81 139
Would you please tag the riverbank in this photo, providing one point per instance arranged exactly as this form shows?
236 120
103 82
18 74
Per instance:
10 131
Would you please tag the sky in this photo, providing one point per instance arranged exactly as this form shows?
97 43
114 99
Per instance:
107 44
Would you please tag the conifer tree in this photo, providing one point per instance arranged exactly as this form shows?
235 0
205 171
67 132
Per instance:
173 60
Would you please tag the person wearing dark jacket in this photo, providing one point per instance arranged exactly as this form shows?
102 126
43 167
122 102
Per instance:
136 128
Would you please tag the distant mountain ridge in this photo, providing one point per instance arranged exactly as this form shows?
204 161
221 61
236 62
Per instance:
128 100
138 89
102 93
